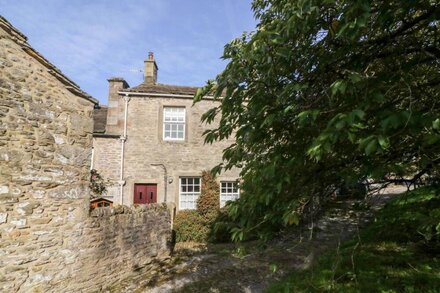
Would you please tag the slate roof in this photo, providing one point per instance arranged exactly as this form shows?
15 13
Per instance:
99 119
160 88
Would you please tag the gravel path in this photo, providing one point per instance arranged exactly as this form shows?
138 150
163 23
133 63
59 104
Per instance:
226 272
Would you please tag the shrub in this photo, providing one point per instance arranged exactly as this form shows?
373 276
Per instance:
97 184
221 227
189 225
208 204
199 225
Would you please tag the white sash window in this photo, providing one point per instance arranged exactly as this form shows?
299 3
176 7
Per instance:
174 123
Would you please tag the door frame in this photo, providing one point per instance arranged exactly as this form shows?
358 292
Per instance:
129 188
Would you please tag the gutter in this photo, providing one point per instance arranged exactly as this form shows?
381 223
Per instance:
134 94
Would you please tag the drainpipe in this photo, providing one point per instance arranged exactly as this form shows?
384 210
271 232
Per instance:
92 159
123 138
165 180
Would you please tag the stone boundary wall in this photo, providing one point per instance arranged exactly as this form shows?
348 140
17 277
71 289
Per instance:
116 242
106 247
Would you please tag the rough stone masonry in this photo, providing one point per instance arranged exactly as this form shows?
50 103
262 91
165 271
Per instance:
49 241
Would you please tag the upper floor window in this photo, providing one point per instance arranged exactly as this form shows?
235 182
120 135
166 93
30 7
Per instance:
174 123
228 191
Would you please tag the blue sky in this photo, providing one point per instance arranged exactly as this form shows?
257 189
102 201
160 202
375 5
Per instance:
92 40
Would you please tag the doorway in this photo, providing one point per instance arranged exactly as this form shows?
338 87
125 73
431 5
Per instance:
145 193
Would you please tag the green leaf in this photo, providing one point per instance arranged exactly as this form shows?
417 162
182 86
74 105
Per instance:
355 77
291 218
340 124
384 142
268 120
273 268
371 147
237 234
436 124
358 113
338 86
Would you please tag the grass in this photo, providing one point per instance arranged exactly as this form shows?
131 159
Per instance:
399 252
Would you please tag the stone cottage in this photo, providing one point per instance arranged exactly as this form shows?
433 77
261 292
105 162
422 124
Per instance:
148 143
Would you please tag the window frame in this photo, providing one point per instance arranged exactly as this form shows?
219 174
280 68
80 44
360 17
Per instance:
164 123
183 193
236 195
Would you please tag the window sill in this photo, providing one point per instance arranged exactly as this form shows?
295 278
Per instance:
173 141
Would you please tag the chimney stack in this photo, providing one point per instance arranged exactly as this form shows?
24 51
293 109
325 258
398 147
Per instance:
150 72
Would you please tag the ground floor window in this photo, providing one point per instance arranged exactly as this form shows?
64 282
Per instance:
228 191
189 192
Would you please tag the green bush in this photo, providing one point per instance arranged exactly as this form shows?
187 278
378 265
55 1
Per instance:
198 225
208 204
221 227
189 225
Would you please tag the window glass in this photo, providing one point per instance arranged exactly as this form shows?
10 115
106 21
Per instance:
228 191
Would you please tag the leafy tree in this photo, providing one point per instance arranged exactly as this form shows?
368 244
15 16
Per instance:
326 92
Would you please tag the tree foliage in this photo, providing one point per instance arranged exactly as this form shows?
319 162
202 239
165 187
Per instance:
326 92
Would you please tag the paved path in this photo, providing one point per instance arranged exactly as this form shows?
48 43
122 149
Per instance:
223 272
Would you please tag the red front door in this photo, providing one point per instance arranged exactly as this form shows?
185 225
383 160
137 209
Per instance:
145 193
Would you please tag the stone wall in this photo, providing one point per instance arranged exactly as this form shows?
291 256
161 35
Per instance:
110 245
107 160
92 254
48 241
